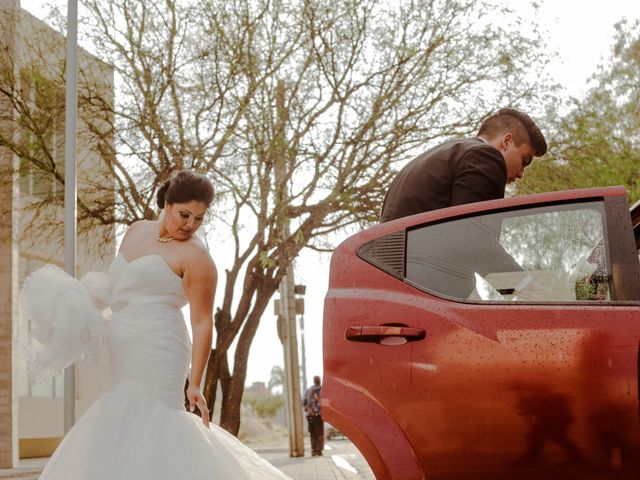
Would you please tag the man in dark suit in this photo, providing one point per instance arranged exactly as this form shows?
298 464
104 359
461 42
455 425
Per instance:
467 170
445 258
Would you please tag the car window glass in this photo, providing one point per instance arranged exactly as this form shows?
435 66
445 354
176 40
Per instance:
553 253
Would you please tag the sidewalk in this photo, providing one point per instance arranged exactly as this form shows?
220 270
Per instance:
29 469
331 466
336 464
305 468
341 460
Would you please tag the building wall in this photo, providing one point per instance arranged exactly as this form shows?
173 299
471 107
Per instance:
32 415
8 274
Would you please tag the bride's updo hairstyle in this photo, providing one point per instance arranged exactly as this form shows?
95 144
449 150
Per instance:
186 186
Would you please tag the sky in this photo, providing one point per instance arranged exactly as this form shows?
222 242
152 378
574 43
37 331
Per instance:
580 31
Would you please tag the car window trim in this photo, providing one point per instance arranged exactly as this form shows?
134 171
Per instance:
612 211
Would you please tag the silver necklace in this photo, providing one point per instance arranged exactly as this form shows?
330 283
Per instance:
165 239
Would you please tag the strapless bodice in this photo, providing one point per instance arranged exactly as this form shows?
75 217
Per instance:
148 340
145 279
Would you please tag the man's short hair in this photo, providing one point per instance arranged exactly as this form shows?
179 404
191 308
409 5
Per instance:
519 124
316 380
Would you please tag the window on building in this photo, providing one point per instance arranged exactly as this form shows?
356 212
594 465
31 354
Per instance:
42 137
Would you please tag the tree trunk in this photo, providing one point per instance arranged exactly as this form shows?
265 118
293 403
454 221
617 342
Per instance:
231 401
211 381
232 396
217 371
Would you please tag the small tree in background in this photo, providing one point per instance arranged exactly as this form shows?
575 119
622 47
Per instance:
277 378
265 406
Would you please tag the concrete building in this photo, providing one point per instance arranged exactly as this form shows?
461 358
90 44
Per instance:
31 222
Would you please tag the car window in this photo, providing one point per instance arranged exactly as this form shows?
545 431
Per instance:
552 253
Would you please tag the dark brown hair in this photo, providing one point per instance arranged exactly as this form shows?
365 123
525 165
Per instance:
186 186
519 124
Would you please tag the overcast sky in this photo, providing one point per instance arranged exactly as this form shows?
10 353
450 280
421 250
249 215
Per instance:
580 31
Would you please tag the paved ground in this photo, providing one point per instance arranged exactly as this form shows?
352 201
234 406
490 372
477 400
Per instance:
27 470
341 461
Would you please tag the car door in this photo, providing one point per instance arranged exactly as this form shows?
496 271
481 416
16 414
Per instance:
491 340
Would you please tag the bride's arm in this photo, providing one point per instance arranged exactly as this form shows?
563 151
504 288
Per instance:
199 281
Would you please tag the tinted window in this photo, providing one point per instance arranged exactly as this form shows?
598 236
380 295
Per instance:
554 253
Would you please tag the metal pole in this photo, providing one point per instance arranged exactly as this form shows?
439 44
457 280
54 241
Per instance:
287 299
70 131
292 366
303 352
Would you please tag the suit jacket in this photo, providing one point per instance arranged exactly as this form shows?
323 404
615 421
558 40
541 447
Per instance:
453 173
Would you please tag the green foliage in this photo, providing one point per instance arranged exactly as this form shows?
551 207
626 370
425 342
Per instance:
591 288
552 240
598 142
266 261
266 406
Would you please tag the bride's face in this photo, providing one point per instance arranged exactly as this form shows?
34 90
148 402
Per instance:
183 219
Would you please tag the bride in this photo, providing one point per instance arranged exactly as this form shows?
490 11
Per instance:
139 428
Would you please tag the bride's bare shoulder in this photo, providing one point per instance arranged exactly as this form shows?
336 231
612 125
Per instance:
198 255
142 224
137 227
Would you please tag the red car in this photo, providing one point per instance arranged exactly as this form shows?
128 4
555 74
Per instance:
491 340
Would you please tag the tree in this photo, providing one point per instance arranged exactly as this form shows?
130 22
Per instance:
32 115
277 378
298 110
266 406
597 143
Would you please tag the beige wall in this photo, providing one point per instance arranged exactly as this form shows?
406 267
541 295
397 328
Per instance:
26 242
8 277
41 417
8 317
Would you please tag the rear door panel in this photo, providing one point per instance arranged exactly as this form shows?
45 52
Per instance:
493 390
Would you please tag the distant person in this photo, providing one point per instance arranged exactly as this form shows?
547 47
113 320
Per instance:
311 404
467 170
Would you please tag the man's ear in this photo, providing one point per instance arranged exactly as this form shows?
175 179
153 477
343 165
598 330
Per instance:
507 138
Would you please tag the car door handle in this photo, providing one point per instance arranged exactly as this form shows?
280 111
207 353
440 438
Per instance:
384 334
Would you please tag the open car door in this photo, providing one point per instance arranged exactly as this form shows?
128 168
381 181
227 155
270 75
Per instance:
491 340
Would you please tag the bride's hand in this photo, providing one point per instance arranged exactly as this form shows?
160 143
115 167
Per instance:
196 399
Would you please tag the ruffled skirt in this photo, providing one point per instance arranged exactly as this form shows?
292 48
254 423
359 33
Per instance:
129 435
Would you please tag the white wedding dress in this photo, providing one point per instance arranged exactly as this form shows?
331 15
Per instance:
138 430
